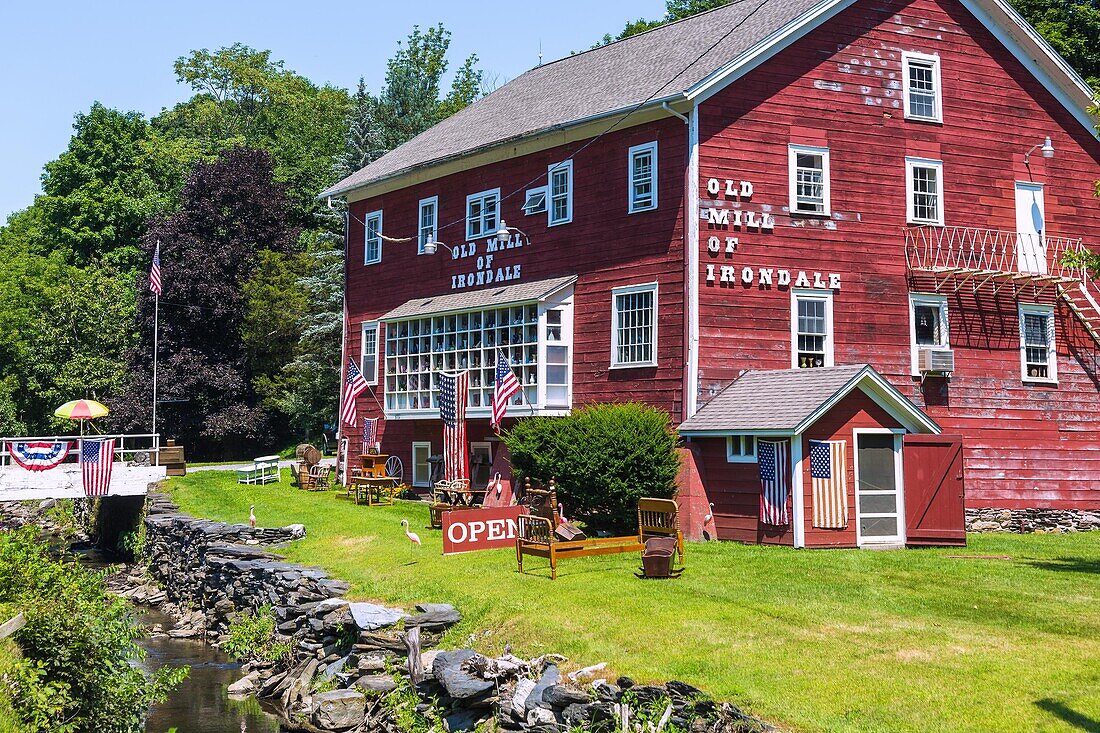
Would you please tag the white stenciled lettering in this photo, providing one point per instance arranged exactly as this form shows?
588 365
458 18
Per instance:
729 274
710 272
802 281
713 186
720 217
731 191
765 276
746 189
784 278
714 245
731 244
746 275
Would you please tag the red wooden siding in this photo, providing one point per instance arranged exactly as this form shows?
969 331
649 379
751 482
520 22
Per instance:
840 87
734 489
934 496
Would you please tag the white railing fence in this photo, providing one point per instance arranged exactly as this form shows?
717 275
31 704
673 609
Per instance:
992 251
128 446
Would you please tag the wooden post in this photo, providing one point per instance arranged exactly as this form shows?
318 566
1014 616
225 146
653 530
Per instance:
12 626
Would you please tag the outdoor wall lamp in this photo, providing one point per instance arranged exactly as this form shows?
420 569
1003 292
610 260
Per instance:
1046 147
431 245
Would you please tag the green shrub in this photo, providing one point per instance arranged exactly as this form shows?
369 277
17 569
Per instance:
76 672
252 638
603 458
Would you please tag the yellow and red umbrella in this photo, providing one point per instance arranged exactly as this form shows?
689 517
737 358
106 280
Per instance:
81 410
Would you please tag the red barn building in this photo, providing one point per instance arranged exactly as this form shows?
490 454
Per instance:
777 191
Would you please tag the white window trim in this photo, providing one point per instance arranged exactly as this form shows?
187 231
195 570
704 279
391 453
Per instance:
910 201
528 210
651 147
412 469
366 231
899 485
1052 349
742 457
792 167
934 61
825 295
940 301
433 201
482 195
567 166
626 290
372 379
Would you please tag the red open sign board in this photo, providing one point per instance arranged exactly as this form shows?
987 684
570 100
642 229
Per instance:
466 530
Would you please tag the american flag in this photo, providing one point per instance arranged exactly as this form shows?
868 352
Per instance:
370 433
828 479
772 458
452 410
96 460
154 273
507 385
354 385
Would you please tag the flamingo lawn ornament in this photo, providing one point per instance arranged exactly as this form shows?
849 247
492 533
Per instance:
561 513
706 519
413 536
252 516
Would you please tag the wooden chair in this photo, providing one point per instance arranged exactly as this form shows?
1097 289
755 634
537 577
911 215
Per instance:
541 502
320 478
441 502
303 476
660 518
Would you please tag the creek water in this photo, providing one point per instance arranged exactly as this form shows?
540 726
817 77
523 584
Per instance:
200 704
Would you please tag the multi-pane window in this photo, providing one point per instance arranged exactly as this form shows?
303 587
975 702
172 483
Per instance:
921 74
421 469
928 319
812 330
368 362
809 180
560 193
428 227
372 238
1037 343
924 191
634 326
741 449
643 177
482 214
535 201
418 349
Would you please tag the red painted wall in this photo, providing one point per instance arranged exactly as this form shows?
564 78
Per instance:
840 87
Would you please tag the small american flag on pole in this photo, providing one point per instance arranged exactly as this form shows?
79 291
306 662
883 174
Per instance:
154 273
828 479
354 385
507 385
370 433
452 410
97 457
772 458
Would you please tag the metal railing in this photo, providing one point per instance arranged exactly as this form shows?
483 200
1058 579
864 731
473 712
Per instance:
127 445
992 252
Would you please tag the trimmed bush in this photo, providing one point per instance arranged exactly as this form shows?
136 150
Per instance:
603 458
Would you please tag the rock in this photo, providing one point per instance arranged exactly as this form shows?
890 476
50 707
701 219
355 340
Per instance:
550 676
461 720
371 663
371 616
647 693
296 531
335 668
625 683
461 685
560 696
434 617
522 691
575 715
607 693
540 716
339 709
377 683
683 689
245 685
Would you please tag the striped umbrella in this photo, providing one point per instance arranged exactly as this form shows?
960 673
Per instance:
81 410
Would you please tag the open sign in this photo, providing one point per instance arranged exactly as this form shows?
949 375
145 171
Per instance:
467 530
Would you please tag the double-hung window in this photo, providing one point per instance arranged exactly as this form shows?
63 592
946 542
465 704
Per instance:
482 214
929 325
924 191
428 227
741 449
372 238
643 177
1038 356
921 82
809 179
368 361
634 326
811 329
560 190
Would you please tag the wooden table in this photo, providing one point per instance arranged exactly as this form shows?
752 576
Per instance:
372 489
373 464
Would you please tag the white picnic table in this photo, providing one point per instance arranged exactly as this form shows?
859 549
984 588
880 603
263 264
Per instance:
262 470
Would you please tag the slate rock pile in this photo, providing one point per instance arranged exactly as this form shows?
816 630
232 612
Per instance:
1032 520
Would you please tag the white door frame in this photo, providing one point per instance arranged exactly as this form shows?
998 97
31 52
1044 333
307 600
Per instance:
412 469
899 483
1031 249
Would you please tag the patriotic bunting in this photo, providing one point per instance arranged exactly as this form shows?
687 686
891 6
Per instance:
38 456
773 461
828 477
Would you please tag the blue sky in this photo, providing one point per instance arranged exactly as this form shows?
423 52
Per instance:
56 58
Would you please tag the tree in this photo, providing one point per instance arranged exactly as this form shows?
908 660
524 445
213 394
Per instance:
231 212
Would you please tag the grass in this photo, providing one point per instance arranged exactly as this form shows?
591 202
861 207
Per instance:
827 640
9 653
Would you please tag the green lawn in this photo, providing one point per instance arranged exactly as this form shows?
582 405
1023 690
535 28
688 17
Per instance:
827 640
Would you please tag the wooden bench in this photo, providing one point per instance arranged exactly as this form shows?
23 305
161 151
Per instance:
264 469
656 518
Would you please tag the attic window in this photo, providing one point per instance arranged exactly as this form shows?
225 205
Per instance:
535 202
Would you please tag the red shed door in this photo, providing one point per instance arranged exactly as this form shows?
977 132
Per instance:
934 510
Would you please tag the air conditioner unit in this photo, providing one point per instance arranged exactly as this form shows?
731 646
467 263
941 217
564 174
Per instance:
941 361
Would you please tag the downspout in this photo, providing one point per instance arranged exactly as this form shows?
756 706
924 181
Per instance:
674 113
344 326
691 268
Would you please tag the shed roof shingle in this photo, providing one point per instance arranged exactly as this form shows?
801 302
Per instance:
659 63
484 298
778 400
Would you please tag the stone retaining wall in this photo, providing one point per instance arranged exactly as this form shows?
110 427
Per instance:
1031 520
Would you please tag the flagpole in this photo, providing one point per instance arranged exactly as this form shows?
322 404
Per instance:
156 323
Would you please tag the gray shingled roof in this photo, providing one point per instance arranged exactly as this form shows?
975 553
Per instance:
781 400
611 78
483 298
